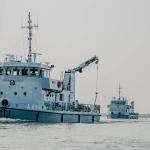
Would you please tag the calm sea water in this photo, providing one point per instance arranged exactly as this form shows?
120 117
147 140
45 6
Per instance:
108 135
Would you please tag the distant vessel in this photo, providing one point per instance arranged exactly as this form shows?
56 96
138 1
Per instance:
119 108
27 91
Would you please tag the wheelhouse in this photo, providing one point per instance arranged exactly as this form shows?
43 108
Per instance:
23 69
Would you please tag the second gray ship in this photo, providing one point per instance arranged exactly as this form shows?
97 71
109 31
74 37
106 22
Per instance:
120 109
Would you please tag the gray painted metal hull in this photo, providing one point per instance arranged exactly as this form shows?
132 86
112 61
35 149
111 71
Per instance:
118 116
121 116
49 117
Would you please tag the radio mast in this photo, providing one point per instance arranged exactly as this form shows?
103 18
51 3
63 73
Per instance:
30 27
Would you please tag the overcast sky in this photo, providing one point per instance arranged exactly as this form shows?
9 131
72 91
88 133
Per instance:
72 31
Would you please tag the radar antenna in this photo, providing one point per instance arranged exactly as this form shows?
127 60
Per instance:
30 27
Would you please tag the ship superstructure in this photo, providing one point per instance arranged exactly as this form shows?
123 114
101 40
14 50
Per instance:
28 92
119 108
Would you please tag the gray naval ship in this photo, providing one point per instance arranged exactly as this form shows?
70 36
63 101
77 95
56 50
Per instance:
120 109
27 91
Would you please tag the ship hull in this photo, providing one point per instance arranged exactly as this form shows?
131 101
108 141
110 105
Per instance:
118 116
49 117
121 116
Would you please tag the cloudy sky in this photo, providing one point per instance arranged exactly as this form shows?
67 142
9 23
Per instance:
72 31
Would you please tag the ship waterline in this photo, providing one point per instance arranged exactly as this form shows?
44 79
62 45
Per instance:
50 116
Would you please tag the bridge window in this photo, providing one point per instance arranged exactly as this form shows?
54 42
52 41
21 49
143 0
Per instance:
8 71
41 73
61 97
44 73
34 72
11 71
47 73
24 71
1 71
16 72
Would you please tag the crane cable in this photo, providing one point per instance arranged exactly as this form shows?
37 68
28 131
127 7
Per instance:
96 89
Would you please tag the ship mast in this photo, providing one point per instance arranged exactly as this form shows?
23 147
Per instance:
30 27
119 91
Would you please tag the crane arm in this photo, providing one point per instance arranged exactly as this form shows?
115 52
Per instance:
84 64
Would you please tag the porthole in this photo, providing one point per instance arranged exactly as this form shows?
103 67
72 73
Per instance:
15 93
1 93
25 93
